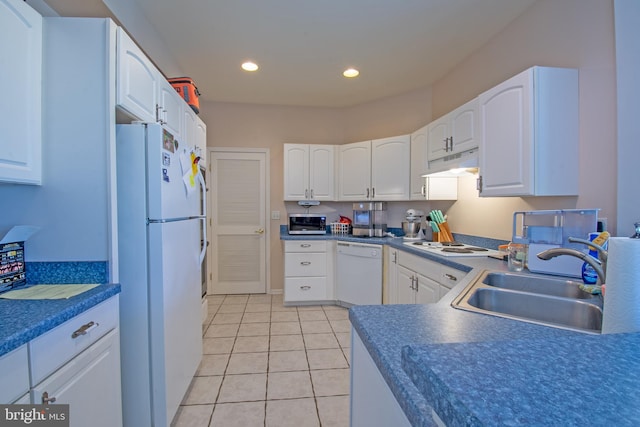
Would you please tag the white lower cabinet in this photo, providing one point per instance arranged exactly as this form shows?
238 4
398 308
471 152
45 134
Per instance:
372 402
78 363
416 280
89 384
14 371
308 270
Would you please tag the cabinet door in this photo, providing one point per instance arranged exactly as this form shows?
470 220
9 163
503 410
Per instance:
21 105
506 149
354 171
321 172
390 293
419 163
438 134
390 168
14 371
201 136
90 384
464 127
296 171
405 281
137 80
171 111
428 290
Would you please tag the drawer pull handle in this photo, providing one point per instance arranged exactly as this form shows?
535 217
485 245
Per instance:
46 399
82 330
305 245
451 277
305 263
305 287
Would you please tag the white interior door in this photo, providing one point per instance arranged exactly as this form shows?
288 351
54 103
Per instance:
238 214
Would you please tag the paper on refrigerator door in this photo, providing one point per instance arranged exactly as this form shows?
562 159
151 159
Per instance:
189 182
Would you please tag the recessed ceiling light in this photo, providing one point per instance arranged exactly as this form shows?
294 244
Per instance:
350 72
249 66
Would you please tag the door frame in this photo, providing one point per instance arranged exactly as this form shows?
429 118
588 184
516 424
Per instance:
267 209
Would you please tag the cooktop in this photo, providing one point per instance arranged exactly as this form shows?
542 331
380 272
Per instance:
452 249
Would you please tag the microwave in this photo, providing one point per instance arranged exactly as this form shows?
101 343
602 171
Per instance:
307 224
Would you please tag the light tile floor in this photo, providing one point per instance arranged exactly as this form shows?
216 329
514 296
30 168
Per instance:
265 364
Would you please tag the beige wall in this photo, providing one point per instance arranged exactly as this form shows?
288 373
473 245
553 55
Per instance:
265 126
569 33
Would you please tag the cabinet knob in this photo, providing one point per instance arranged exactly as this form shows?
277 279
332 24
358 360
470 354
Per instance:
367 193
311 192
451 277
305 288
305 263
305 245
46 399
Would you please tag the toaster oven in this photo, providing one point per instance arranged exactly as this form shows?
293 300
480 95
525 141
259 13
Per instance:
307 224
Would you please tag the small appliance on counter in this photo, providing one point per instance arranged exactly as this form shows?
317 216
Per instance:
411 227
548 229
307 223
369 219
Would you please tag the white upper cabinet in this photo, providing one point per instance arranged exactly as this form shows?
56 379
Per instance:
195 132
137 82
171 110
390 168
309 172
529 128
433 187
375 170
20 105
419 162
354 171
454 133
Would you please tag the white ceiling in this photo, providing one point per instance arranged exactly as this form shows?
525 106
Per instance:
302 46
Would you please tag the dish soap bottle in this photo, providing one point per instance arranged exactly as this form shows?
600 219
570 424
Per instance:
589 275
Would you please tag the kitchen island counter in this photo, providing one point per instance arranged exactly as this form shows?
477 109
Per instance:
476 369
24 320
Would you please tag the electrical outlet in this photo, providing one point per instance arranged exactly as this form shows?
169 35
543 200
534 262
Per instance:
275 214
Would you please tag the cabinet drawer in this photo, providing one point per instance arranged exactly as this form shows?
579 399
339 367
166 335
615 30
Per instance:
50 351
427 268
14 371
450 276
305 289
305 246
312 264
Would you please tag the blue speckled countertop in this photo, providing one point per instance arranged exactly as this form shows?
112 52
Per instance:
24 320
581 380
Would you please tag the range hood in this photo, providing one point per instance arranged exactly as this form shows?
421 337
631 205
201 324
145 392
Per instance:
457 164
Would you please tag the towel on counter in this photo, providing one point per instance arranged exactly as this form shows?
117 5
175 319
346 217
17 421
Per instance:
48 291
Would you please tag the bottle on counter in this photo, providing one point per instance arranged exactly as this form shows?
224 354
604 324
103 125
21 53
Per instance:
589 275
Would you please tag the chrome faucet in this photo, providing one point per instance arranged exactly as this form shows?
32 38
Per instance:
598 266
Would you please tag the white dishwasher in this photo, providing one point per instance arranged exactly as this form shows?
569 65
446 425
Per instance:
359 273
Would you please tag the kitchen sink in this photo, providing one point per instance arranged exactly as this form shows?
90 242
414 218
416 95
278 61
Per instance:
537 285
545 301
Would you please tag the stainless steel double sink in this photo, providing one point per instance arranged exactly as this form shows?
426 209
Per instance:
549 301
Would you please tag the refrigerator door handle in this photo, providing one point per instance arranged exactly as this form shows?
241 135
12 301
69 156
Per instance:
203 211
203 249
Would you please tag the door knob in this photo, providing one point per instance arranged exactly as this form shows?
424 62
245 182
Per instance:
260 231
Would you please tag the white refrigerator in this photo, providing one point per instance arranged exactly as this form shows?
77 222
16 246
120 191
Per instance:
161 204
